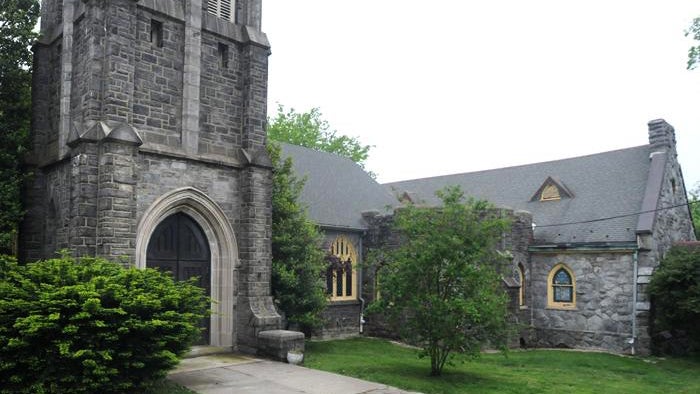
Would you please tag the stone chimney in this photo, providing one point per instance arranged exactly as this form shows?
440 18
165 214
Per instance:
662 136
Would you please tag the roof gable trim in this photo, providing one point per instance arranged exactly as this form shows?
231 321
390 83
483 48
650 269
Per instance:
645 224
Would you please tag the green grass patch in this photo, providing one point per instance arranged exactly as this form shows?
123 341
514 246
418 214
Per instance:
520 371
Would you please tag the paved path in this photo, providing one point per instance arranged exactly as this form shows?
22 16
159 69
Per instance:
224 374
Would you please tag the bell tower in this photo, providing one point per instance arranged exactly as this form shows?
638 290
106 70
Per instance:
143 109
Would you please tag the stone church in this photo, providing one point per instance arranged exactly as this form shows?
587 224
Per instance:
587 234
149 145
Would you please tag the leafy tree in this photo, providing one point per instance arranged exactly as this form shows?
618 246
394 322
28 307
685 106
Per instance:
17 19
675 288
695 209
694 51
310 130
441 284
297 259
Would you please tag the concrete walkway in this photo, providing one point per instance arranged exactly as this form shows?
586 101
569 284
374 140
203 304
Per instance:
224 374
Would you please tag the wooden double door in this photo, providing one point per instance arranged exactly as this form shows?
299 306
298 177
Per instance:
179 246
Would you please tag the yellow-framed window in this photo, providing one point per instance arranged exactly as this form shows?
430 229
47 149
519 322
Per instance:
341 276
561 288
521 292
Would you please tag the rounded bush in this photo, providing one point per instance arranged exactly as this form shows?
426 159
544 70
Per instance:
90 325
675 291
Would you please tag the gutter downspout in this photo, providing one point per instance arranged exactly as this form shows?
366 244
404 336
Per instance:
633 340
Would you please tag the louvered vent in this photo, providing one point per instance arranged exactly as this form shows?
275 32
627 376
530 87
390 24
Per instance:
222 8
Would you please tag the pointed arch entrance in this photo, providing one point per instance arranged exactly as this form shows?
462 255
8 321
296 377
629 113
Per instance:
190 210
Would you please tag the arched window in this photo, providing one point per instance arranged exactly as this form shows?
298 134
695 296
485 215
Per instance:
341 275
521 293
561 288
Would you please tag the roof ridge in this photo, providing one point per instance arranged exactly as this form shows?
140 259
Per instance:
322 152
516 166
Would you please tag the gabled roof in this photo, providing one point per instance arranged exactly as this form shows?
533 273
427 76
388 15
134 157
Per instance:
337 190
602 185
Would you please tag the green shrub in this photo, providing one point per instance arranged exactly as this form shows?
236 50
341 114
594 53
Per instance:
675 288
89 325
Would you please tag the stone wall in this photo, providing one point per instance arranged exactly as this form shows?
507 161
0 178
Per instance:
602 316
222 97
672 223
341 319
158 73
518 242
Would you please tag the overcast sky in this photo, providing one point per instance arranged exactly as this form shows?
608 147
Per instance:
447 86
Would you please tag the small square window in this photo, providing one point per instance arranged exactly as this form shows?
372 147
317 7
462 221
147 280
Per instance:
223 55
157 33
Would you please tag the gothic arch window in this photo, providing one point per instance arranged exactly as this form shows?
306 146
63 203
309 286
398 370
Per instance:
225 9
561 288
521 292
341 274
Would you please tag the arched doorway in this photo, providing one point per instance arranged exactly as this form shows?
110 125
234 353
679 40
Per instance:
179 246
224 262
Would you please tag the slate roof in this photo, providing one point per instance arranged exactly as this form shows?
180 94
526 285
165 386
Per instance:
603 185
337 190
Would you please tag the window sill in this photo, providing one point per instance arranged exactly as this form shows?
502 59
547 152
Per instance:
561 308
343 302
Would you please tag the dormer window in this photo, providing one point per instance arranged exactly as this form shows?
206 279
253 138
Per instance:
552 190
225 9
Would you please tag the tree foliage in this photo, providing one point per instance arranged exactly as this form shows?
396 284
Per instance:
92 326
675 288
695 209
310 130
297 259
694 51
17 19
442 283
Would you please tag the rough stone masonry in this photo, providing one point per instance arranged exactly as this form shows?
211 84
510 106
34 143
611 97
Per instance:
143 109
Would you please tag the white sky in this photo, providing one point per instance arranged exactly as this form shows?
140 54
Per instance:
448 86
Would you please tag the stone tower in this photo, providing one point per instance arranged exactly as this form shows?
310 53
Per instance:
147 110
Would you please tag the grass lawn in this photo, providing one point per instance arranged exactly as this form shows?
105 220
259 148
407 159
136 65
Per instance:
528 371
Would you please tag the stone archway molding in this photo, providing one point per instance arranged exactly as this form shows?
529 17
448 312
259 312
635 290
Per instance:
224 252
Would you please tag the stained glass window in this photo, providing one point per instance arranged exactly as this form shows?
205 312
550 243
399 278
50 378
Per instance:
341 276
348 277
562 286
562 277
